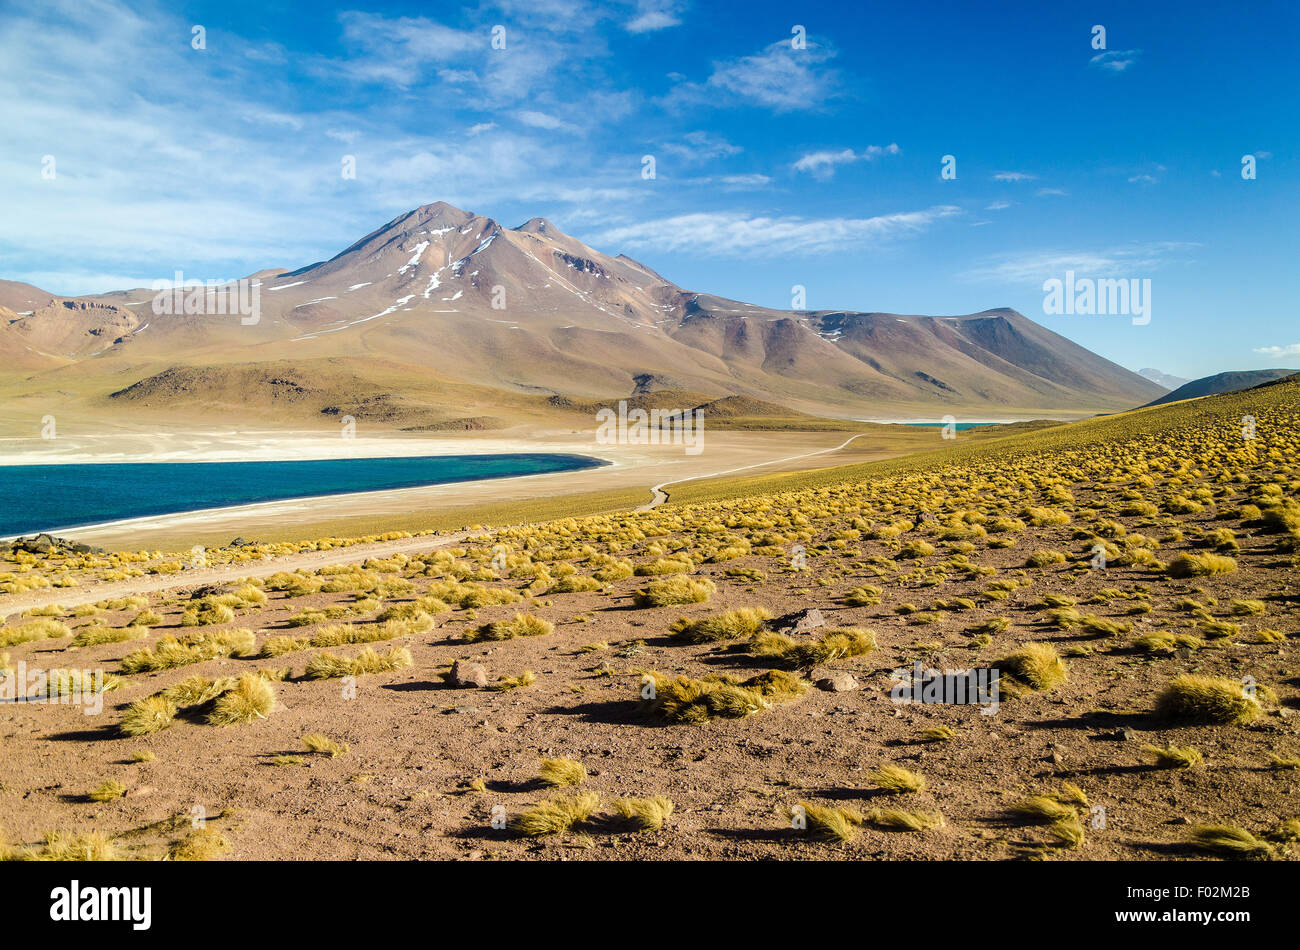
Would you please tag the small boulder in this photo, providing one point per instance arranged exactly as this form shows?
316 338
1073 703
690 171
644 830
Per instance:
801 621
837 682
465 675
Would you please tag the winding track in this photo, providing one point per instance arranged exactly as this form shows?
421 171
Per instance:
659 496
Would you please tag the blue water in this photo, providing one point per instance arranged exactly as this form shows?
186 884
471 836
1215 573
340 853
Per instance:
57 497
958 427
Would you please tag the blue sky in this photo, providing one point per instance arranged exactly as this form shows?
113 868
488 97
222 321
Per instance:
774 166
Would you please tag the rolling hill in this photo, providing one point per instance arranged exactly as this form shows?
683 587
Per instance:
1223 383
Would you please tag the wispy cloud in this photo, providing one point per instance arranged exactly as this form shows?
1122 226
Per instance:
1279 352
701 146
822 164
779 78
653 16
727 234
1013 176
1115 60
1037 266
541 120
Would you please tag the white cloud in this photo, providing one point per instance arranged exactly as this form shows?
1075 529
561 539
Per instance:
779 78
1050 192
736 182
1279 352
998 206
540 120
701 146
653 16
1037 266
1013 176
733 233
823 164
1115 60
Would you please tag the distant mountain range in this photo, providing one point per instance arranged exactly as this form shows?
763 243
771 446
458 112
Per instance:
1161 378
443 299
1223 383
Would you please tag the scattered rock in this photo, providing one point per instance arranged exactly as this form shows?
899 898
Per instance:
209 590
237 543
837 683
468 674
1127 735
801 621
48 544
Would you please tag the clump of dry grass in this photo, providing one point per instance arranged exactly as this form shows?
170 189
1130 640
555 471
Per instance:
1167 642
249 699
835 645
1228 841
896 780
170 652
865 596
1035 667
1173 757
830 823
107 791
1059 811
718 696
675 591
1194 698
520 625
937 734
328 666
643 814
1044 808
194 690
321 744
561 773
665 565
556 816
95 636
207 613
897 819
744 622
43 628
1068 831
1287 831
526 678
1200 565
201 844
147 715
71 846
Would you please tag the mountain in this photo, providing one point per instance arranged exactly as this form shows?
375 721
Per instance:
1223 383
1161 378
528 312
